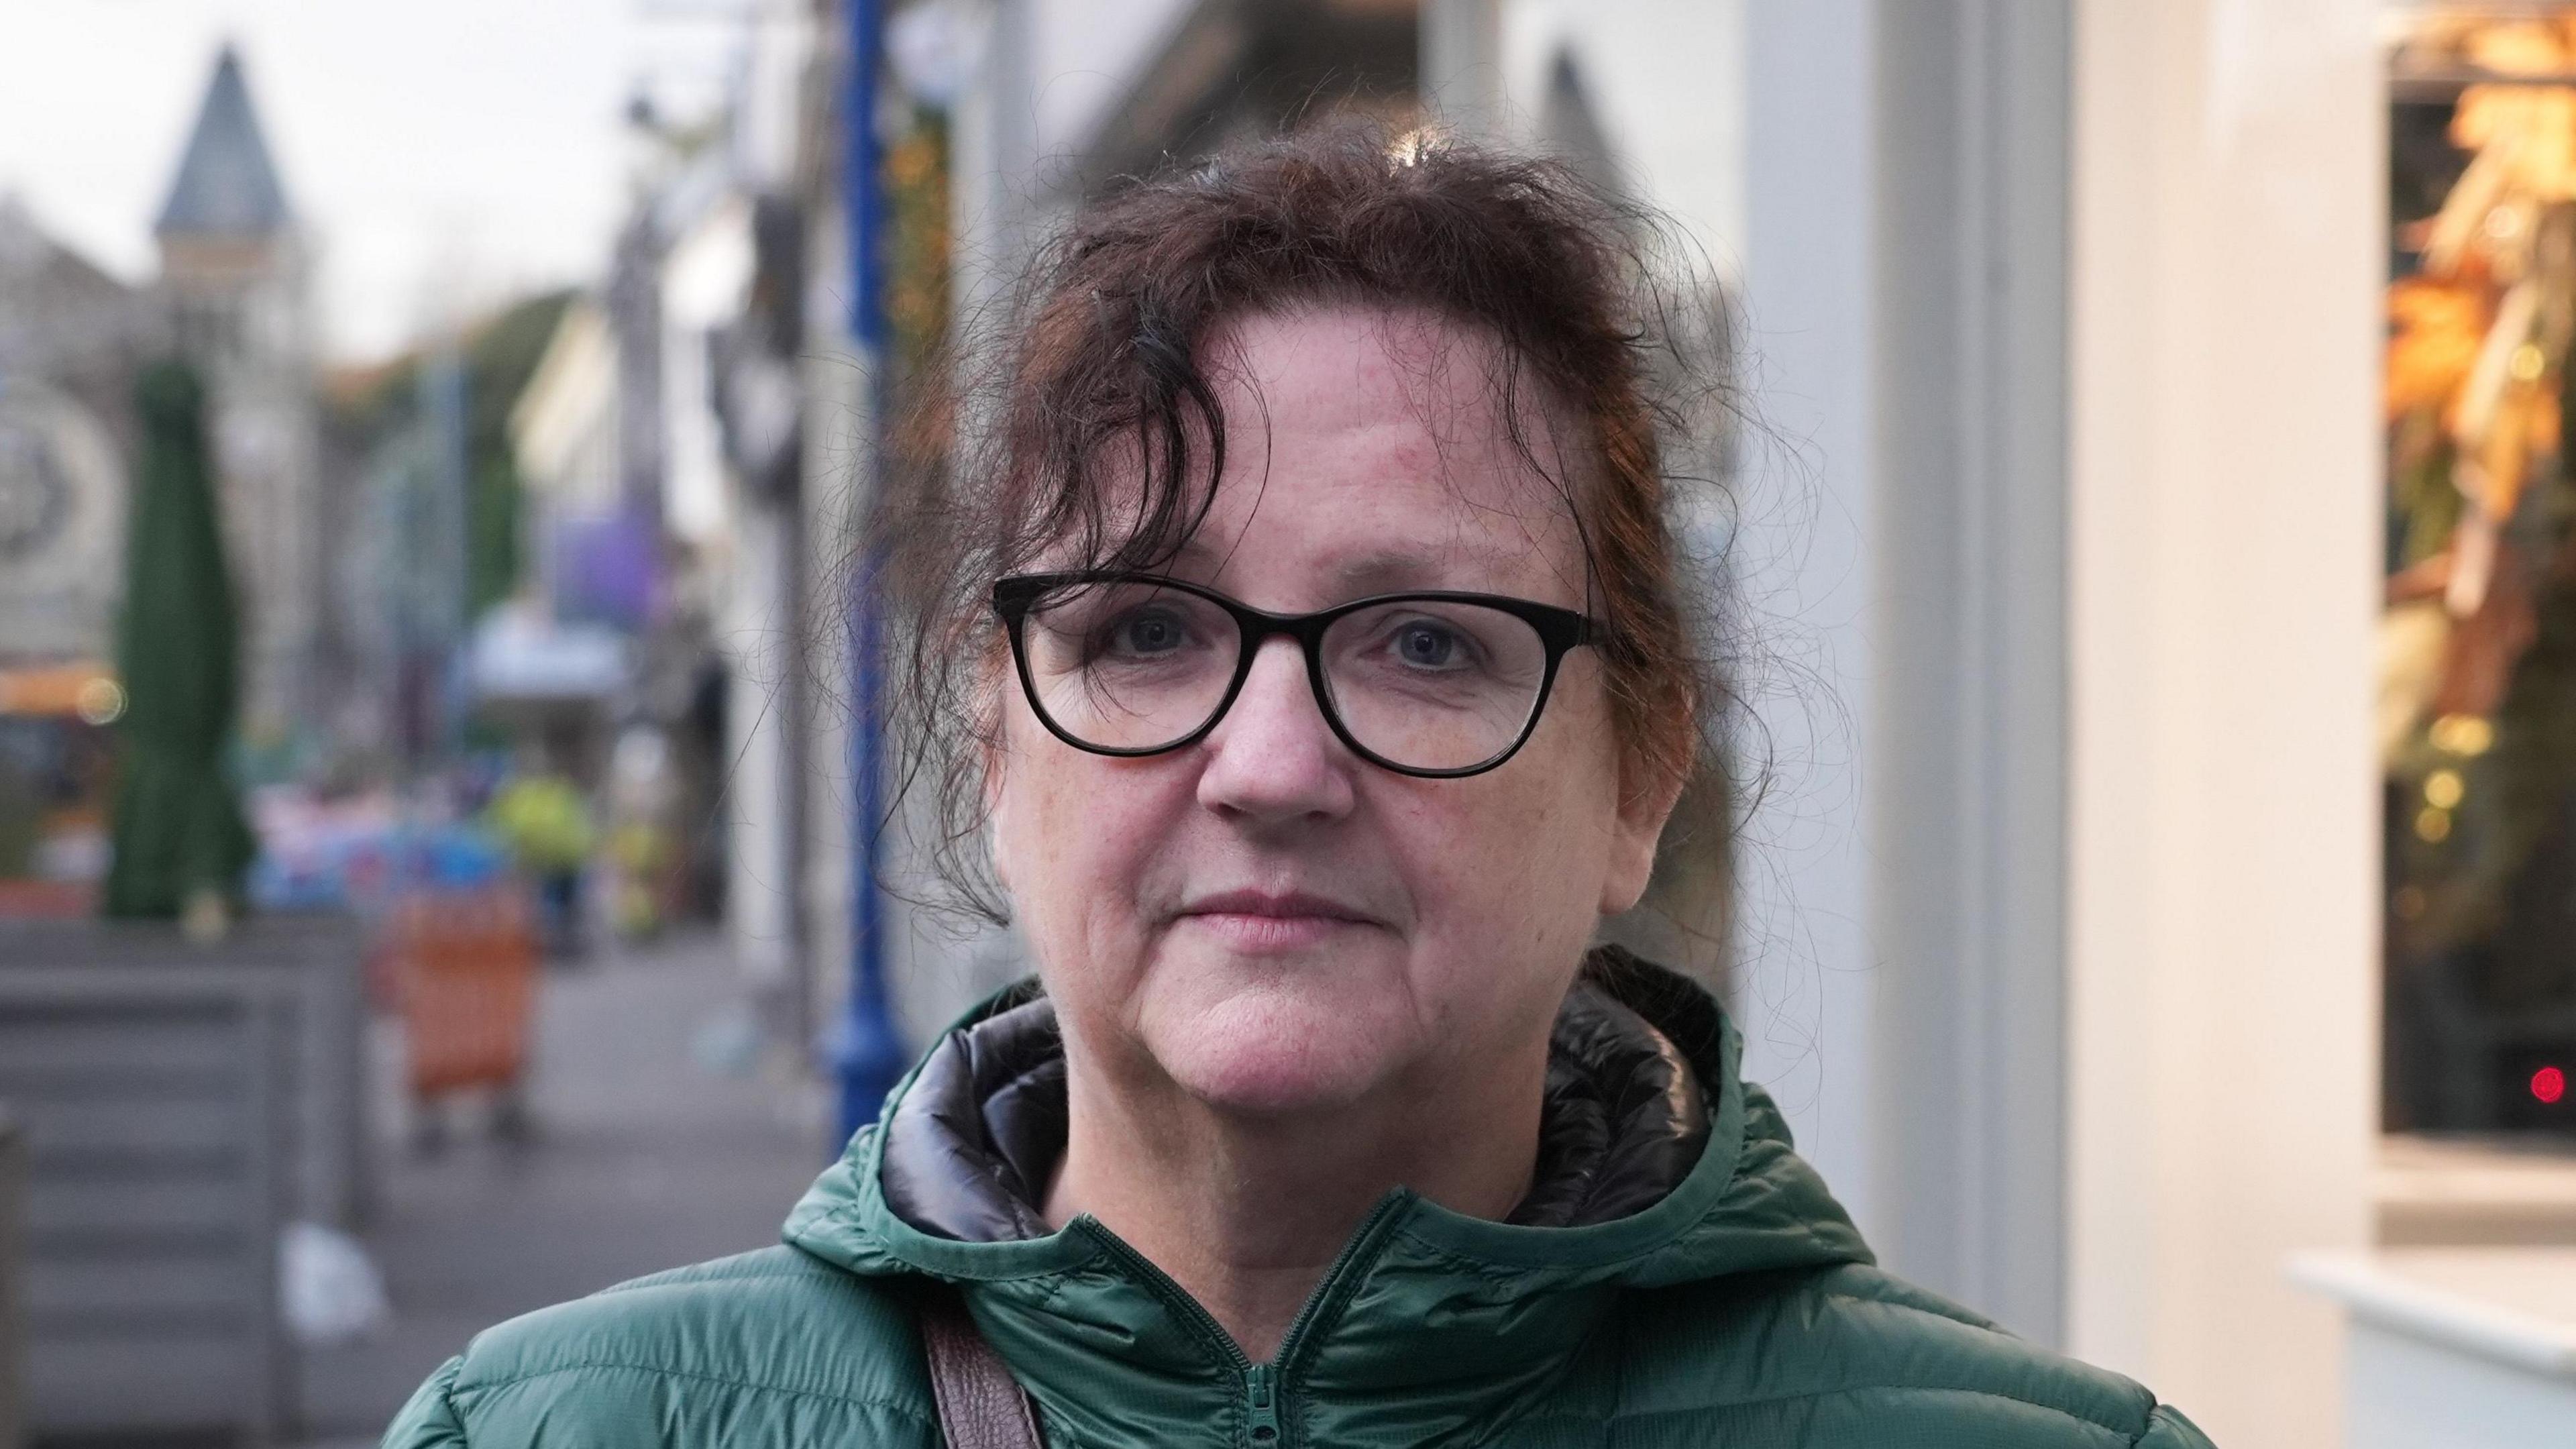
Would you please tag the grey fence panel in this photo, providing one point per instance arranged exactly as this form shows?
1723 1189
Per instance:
330 1179
13 1338
180 1105
132 1329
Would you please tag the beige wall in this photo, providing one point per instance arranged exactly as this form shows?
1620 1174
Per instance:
2228 205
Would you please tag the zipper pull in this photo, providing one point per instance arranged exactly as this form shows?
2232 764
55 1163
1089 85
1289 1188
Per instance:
1261 1407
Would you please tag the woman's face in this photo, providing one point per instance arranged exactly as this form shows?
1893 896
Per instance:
1263 919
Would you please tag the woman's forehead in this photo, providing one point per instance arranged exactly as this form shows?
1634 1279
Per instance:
1412 376
1372 450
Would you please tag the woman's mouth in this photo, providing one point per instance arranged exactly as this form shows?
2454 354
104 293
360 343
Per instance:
1260 923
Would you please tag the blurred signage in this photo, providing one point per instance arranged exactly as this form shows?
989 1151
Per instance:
84 691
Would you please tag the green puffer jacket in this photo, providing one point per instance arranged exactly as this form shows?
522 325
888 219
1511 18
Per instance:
1678 1277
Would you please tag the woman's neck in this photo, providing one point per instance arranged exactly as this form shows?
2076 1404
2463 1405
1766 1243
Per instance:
1247 1214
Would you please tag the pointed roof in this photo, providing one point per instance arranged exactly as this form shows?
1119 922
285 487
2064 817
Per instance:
227 185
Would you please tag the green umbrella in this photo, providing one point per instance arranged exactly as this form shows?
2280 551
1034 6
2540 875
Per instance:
178 830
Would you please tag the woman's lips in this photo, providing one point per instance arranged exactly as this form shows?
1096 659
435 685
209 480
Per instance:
1253 935
1259 924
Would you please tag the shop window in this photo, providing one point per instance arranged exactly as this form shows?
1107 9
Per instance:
2477 712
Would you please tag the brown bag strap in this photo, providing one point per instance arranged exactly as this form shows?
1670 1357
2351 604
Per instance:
980 1405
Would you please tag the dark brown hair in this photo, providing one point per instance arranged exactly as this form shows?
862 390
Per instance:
1098 365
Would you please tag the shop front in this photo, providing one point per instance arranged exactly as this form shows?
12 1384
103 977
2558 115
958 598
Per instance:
2149 518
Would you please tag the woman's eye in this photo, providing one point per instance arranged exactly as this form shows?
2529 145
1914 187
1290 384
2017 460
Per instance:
1427 646
1148 633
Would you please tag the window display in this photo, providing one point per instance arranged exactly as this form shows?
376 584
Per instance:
2477 708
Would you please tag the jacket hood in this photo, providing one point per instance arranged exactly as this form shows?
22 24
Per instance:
1430 1324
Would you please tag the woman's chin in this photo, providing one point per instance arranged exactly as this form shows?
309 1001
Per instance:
1281 1052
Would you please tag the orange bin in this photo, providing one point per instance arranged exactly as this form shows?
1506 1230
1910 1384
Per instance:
463 967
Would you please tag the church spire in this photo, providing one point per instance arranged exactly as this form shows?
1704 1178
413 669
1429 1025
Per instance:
226 186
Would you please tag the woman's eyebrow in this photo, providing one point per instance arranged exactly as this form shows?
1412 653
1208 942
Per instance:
1389 572
1376 571
1195 560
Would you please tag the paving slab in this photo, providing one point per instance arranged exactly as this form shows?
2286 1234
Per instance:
656 1141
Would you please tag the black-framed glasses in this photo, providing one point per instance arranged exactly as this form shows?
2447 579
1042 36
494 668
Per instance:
1437 684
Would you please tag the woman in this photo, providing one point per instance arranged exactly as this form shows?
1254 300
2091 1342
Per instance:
1308 651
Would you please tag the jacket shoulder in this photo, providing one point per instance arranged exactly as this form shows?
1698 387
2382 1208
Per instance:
1852 1356
772 1348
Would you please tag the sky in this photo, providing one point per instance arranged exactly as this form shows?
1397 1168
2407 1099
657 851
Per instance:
443 154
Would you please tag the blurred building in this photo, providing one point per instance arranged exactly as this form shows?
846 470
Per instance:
563 429
71 340
427 554
659 442
231 299
236 276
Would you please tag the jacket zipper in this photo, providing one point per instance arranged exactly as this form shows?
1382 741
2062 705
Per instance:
1178 1299
1327 1288
1261 1406
1261 1382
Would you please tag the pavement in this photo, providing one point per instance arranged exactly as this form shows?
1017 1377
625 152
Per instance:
656 1139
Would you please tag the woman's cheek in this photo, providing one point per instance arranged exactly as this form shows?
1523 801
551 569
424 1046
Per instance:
1038 849
1463 853
1525 882
1099 832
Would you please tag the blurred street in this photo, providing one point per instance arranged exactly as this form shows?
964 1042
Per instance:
441 650
656 1143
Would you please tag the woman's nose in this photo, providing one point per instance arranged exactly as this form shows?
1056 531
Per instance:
1273 757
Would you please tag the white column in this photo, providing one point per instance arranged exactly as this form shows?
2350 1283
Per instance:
1462 63
2225 336
1806 985
836 438
755 638
1965 788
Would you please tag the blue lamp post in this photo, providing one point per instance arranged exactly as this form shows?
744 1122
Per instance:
868 1055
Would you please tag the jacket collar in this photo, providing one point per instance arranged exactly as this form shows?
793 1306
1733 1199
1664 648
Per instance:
970 1146
1429 1324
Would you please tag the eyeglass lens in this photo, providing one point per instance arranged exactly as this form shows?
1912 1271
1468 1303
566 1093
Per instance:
1424 684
